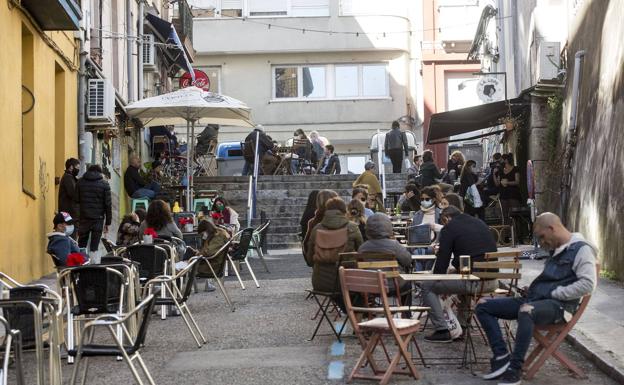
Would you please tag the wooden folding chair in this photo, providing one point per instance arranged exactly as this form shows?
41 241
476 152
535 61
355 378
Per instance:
371 332
548 344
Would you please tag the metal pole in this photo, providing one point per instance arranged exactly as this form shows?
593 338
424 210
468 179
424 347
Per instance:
382 171
188 164
129 66
255 175
190 181
140 50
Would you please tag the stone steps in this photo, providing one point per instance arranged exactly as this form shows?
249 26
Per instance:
283 199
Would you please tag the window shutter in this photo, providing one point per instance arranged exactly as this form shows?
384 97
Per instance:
231 4
268 6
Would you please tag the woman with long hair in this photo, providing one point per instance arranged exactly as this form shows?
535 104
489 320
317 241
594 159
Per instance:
308 212
455 163
355 213
213 238
128 232
467 178
159 218
508 180
222 214
322 197
428 170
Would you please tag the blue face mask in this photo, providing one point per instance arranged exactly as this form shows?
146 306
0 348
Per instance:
69 230
426 203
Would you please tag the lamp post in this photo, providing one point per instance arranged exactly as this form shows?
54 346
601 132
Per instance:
504 73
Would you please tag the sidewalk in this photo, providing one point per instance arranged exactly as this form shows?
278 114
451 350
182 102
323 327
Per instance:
599 333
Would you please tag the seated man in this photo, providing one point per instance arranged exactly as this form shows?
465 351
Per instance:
136 186
381 240
461 235
60 242
568 275
330 164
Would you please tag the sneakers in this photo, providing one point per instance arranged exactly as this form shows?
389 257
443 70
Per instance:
498 367
209 287
510 377
439 336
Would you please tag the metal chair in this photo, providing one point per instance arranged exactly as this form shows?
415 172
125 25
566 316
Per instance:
153 261
259 236
178 297
217 274
35 310
239 254
12 339
92 291
129 351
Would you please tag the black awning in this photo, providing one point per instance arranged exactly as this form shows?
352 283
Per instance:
443 125
162 30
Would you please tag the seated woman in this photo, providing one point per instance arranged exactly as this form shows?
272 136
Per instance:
224 215
322 197
324 273
429 212
60 243
361 194
308 212
409 201
159 218
128 232
381 240
213 238
355 213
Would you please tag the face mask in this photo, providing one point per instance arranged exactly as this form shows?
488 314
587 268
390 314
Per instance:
204 236
220 207
75 172
69 230
426 203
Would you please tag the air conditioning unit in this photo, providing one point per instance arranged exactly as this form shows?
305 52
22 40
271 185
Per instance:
548 61
149 53
101 101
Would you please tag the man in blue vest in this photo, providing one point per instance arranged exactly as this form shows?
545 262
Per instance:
553 297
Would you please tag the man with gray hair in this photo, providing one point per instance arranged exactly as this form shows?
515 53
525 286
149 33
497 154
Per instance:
553 297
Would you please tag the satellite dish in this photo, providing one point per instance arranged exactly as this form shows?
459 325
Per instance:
530 179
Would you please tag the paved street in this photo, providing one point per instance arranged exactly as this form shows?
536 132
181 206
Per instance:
265 342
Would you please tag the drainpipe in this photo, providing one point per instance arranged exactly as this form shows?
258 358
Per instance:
82 94
571 135
140 50
129 65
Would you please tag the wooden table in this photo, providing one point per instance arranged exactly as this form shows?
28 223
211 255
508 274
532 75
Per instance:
439 277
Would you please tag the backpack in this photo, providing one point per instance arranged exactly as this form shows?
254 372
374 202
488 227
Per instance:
328 244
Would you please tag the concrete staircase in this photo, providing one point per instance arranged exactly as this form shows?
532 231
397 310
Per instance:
283 199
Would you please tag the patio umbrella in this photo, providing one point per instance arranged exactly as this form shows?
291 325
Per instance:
190 105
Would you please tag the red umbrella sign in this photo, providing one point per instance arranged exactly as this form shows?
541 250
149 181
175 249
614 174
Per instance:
201 80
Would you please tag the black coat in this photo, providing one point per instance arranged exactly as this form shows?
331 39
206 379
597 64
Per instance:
133 180
463 235
94 196
430 173
333 164
68 199
396 140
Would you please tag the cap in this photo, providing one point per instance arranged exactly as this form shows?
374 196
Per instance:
62 217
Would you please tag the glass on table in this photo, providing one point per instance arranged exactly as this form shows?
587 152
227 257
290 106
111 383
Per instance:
464 264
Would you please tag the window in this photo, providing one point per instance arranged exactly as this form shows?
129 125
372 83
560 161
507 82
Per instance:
330 81
259 8
372 7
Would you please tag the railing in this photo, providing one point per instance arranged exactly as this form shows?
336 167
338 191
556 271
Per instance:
183 21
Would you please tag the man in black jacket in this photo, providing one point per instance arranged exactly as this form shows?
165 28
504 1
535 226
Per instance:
135 184
265 144
330 164
67 198
94 196
461 235
395 145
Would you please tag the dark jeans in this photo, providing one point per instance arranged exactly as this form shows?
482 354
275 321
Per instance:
93 228
543 312
396 157
147 191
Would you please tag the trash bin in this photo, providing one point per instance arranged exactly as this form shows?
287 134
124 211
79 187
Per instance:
230 159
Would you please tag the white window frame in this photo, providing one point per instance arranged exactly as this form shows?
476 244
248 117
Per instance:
330 82
290 11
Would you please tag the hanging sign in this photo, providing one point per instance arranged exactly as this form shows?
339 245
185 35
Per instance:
201 80
490 89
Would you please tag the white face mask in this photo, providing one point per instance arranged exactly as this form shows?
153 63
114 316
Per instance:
204 236
426 203
69 230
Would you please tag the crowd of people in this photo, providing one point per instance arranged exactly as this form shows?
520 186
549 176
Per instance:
302 154
330 226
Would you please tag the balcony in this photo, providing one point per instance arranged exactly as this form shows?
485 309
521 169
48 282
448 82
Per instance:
58 15
183 21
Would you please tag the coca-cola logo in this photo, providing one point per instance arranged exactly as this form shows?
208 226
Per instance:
201 80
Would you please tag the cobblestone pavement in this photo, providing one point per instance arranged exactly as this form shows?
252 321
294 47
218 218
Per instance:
265 342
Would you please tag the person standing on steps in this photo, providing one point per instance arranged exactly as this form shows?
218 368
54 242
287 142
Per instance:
395 145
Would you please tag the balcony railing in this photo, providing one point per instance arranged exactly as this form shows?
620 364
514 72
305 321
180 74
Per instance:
183 21
57 15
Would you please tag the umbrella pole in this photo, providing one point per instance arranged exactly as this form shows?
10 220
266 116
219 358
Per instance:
190 182
188 166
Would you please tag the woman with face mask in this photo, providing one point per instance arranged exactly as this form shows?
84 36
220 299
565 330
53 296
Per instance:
60 243
429 212
224 215
468 178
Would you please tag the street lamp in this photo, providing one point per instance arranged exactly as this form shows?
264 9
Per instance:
494 73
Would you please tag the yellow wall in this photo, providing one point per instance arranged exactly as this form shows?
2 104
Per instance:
24 221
